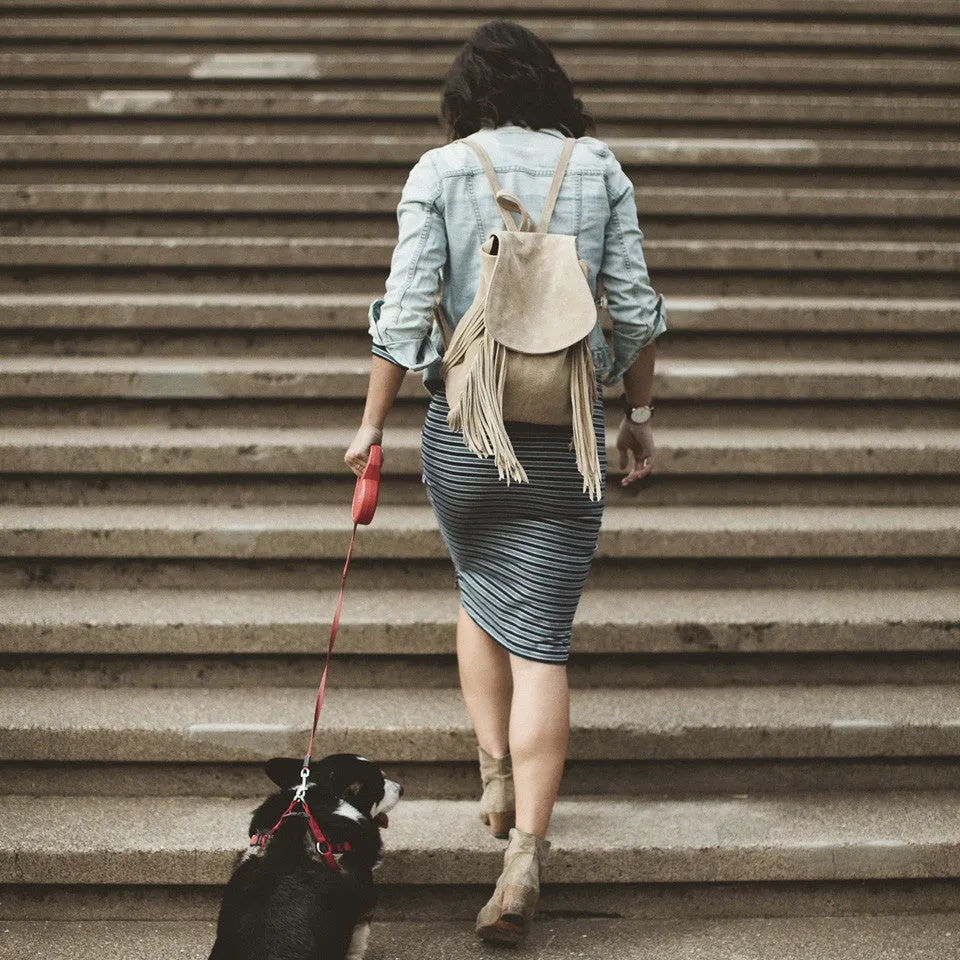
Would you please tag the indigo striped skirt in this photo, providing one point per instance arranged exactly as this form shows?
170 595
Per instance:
521 552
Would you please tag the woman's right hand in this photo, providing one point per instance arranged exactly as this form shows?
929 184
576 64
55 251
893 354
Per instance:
359 450
635 438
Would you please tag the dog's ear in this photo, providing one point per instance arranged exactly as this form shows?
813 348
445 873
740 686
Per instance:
353 791
284 771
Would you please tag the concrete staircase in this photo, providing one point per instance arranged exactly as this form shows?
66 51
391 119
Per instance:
196 207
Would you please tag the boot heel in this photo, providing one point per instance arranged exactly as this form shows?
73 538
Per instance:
497 808
507 915
500 823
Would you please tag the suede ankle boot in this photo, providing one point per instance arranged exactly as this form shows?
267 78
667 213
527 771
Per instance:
497 808
507 915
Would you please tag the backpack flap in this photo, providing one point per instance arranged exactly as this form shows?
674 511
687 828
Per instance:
538 300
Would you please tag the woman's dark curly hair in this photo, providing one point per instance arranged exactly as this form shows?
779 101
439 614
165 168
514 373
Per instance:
505 72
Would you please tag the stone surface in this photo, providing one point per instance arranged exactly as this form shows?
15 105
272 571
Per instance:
874 8
231 199
775 146
932 936
373 253
185 840
596 67
627 106
212 450
736 152
575 31
416 725
322 530
348 311
421 622
343 378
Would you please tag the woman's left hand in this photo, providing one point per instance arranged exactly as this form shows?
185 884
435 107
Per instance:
359 450
636 438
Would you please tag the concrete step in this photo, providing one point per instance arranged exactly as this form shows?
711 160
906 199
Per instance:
420 622
374 253
338 378
99 199
194 531
194 841
574 32
930 936
823 110
317 342
754 316
216 450
857 9
739 152
661 489
93 409
336 228
385 63
251 724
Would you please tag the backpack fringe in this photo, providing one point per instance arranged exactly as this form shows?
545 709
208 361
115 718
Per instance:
478 413
583 394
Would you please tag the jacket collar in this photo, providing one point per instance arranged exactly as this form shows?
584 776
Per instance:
512 127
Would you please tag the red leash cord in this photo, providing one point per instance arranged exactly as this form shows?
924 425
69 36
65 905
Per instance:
364 506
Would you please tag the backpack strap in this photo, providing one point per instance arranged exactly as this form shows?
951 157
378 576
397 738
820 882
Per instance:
494 182
554 191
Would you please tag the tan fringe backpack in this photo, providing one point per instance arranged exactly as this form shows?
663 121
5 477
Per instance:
521 350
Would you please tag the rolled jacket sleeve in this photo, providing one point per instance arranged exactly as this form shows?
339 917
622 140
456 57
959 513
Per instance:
637 312
401 319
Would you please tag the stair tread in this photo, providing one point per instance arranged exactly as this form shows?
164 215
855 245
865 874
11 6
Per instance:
707 368
398 518
756 314
373 242
925 936
389 149
420 622
635 606
878 8
392 63
189 840
322 531
135 449
573 32
788 257
867 110
345 378
416 725
407 438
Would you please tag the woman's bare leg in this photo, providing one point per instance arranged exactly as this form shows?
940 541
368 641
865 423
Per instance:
518 707
539 730
487 684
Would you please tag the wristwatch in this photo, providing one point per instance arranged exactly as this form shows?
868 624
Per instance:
636 414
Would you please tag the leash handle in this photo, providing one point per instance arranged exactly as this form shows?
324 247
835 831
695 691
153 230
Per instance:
364 506
368 487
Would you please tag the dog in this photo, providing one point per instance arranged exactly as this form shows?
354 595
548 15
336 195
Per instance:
292 896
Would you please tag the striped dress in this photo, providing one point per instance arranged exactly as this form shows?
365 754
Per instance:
521 551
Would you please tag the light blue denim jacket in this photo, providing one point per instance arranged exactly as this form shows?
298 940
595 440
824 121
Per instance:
447 210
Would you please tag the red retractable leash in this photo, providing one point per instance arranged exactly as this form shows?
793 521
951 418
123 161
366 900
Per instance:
364 506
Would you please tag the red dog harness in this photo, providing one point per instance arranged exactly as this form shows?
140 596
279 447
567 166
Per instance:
364 505
325 848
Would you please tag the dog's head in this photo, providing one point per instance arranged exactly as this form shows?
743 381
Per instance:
343 778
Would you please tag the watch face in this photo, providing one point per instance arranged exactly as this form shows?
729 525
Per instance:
640 414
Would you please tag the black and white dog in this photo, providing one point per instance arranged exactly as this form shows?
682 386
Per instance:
304 888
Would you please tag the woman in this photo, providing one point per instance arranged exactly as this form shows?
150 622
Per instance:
521 551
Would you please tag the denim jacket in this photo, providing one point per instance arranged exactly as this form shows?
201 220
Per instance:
447 210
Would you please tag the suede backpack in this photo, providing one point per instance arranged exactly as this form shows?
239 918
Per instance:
521 352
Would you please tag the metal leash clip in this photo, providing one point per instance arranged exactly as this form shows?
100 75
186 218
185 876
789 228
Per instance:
301 792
